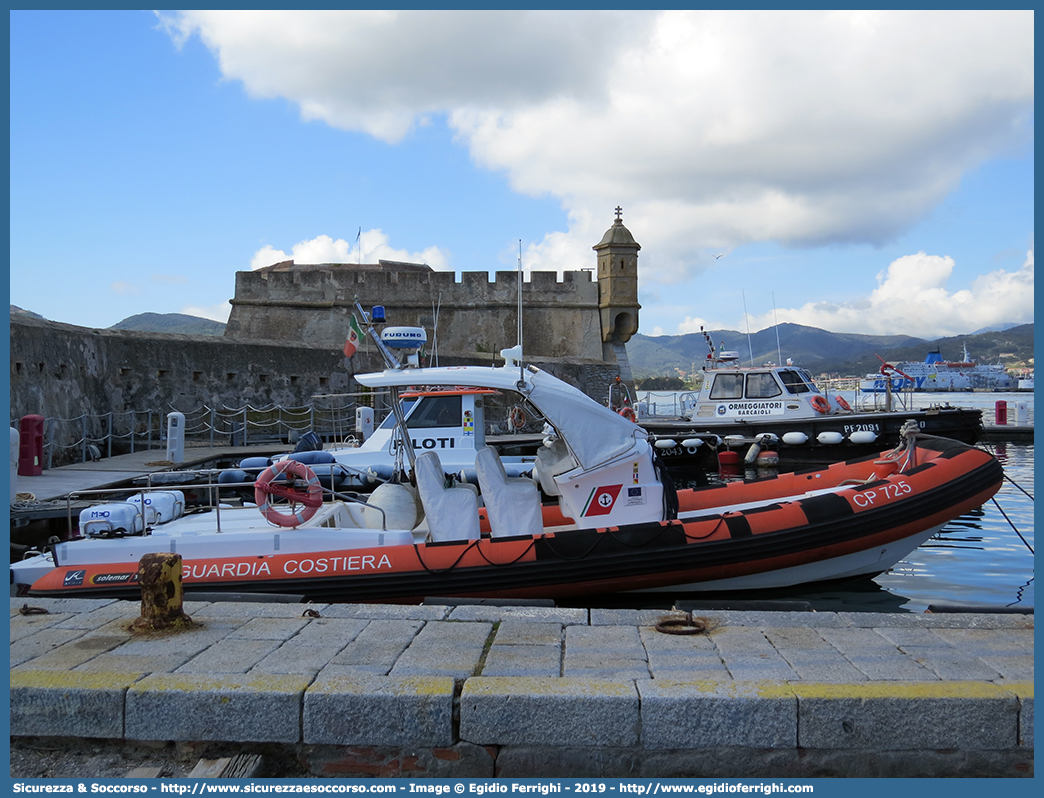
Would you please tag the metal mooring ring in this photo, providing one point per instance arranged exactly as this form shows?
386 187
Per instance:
682 626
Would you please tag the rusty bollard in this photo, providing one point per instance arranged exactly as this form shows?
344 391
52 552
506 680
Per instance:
161 594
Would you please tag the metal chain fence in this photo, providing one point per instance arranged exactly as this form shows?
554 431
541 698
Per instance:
93 436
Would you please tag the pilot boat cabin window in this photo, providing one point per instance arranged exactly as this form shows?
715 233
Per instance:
794 381
389 420
761 385
727 386
436 411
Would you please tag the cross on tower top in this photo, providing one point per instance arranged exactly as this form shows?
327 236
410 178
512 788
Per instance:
619 213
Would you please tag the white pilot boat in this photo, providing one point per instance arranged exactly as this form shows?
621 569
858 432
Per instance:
780 409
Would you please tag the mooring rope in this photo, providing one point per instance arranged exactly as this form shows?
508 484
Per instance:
1028 546
1017 485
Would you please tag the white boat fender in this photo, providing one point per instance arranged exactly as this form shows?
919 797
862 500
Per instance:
830 438
863 436
666 443
692 444
734 440
794 438
752 453
398 503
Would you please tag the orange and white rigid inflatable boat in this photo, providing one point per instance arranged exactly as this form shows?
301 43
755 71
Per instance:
614 523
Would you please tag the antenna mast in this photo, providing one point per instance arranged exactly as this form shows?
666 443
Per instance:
519 292
779 352
521 373
746 318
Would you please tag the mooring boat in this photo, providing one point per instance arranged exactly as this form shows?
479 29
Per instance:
781 410
615 523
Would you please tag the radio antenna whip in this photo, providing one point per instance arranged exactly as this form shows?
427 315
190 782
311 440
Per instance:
746 318
775 323
521 374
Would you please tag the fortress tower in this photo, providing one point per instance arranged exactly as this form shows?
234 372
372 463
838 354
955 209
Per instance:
618 292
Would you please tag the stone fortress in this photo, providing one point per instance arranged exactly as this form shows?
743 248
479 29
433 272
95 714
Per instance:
571 317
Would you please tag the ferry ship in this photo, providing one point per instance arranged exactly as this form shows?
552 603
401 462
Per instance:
936 374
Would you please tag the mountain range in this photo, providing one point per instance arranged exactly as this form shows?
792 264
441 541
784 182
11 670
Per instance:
171 323
819 351
822 352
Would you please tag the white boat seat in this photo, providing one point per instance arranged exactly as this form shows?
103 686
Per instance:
451 513
550 462
512 503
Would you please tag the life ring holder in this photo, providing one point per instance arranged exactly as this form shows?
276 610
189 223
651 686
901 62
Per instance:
820 404
843 403
628 413
266 487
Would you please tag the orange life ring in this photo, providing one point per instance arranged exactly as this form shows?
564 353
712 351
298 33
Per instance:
820 404
517 417
310 497
628 413
842 403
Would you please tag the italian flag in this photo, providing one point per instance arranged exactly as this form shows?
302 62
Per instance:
354 337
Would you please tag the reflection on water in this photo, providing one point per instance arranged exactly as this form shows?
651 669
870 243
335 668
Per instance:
978 558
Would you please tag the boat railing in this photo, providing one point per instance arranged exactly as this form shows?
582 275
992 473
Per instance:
210 499
879 400
665 404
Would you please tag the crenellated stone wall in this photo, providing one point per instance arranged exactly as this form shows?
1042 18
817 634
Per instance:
312 303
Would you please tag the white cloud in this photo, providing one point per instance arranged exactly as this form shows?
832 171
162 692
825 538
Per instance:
372 246
382 72
912 297
218 312
124 288
712 128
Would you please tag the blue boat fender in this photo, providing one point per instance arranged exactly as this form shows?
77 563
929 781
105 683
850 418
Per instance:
312 457
231 476
259 463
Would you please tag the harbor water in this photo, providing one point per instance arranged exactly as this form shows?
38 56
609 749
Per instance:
982 558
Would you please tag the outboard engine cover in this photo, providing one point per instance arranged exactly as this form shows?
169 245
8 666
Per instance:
309 442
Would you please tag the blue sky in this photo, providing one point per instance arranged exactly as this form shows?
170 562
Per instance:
861 172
